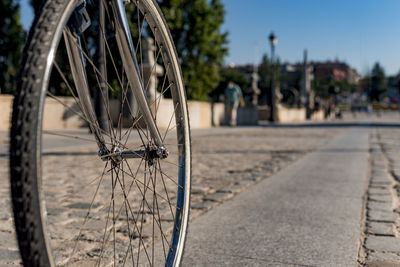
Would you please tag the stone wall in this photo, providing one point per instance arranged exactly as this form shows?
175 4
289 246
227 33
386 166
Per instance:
5 111
202 114
62 116
288 115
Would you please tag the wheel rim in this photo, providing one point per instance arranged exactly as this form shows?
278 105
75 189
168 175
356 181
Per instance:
127 211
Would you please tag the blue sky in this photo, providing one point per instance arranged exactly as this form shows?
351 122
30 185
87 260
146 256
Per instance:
359 32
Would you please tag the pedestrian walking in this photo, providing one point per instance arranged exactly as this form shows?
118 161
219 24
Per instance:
233 96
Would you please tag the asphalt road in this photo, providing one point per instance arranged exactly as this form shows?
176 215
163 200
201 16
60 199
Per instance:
308 214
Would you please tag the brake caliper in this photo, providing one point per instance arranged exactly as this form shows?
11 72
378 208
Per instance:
80 20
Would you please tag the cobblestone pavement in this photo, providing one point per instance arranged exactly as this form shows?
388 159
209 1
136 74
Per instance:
381 223
225 162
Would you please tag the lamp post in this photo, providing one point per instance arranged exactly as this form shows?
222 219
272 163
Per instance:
273 40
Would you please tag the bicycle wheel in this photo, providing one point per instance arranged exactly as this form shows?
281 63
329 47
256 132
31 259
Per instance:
74 204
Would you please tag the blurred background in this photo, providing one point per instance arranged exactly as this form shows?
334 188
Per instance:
315 55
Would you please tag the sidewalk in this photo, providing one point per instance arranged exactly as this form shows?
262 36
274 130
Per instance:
308 214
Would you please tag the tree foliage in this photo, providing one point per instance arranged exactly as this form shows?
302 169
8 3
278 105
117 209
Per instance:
201 45
12 38
266 70
378 83
326 88
196 30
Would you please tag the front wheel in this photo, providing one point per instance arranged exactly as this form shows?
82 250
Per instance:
73 204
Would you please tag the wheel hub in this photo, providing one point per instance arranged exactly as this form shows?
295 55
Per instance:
117 154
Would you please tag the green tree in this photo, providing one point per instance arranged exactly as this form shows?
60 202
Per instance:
201 45
12 37
378 83
265 70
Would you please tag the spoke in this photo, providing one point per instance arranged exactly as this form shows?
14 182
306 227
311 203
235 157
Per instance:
105 239
172 163
140 39
141 117
73 94
87 214
170 120
154 101
123 91
153 70
113 210
127 220
67 84
159 223
80 115
153 178
144 201
71 136
163 173
156 79
143 184
162 87
159 219
97 71
166 191
142 219
123 98
105 99
105 228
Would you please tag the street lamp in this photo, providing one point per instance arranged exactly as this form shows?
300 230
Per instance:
273 40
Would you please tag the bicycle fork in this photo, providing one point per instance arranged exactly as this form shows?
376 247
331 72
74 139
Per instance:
72 37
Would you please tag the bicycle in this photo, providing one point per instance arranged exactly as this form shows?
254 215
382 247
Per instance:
116 191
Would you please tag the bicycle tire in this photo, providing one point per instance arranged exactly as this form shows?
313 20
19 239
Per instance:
32 181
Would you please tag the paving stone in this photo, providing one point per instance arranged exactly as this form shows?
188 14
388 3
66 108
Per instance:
6 225
218 196
380 178
383 243
84 206
12 256
8 239
245 182
379 257
383 206
379 162
379 172
204 205
380 228
380 185
260 177
378 191
381 198
378 215
231 189
197 190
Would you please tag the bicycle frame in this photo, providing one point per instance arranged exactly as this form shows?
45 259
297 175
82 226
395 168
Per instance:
131 67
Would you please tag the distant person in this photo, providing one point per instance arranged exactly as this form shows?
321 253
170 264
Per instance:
233 96
369 108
